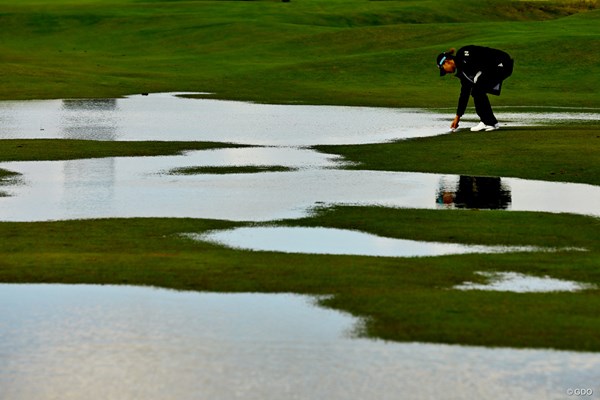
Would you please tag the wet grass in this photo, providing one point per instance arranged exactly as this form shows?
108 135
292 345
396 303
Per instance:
249 169
408 299
4 175
68 149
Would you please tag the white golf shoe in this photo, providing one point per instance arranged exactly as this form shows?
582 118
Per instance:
483 127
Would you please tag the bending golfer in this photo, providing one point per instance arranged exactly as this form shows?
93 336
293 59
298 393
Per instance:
481 70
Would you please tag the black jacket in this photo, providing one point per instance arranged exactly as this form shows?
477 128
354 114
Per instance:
482 68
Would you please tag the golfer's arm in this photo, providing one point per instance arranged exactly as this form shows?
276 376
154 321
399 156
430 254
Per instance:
463 99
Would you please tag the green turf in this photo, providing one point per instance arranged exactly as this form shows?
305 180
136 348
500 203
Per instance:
69 149
312 51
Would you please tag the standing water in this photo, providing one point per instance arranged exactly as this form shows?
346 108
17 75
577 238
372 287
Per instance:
117 342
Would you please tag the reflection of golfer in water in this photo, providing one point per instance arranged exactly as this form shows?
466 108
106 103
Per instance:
476 192
481 70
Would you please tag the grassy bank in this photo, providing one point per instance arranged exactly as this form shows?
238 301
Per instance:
312 51
68 149
402 299
562 153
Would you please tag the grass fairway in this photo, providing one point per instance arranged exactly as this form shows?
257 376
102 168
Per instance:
356 52
346 52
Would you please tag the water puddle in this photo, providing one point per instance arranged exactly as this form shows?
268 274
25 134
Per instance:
520 283
341 242
166 116
103 342
144 187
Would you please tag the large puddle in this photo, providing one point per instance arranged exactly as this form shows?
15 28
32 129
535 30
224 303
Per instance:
143 187
117 342
166 116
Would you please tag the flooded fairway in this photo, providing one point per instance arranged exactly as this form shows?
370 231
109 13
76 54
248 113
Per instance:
102 342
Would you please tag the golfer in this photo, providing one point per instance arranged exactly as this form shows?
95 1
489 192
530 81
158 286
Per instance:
481 70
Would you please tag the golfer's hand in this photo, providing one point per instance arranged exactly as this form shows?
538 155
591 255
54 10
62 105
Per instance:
455 122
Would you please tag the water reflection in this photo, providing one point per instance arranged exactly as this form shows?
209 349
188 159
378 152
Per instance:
92 119
83 190
90 104
116 342
474 192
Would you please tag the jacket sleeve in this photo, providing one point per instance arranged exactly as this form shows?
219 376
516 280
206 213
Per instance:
463 99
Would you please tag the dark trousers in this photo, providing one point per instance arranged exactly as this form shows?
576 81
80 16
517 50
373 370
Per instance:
490 83
483 108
